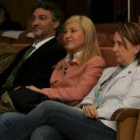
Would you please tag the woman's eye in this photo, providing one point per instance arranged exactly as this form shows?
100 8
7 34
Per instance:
73 31
120 44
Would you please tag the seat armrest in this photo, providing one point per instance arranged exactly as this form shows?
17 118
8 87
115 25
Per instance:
123 113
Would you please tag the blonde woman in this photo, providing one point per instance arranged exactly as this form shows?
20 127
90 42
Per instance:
78 73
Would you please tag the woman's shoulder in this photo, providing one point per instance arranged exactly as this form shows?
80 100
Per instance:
97 60
137 70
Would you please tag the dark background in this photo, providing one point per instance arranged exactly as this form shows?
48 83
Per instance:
100 11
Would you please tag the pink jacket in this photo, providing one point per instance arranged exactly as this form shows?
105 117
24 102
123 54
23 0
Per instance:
77 82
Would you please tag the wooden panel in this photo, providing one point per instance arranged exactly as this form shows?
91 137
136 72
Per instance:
100 11
19 9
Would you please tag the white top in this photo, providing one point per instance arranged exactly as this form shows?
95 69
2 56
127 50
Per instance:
76 56
123 91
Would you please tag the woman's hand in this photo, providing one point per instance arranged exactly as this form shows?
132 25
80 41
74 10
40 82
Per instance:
90 111
33 88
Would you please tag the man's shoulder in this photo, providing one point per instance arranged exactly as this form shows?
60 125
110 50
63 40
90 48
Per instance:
53 44
53 41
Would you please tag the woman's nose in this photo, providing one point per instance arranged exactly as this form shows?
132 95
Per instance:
67 35
115 48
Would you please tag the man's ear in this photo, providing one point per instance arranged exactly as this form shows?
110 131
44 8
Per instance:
137 48
56 24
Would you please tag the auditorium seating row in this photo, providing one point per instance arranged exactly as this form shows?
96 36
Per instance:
104 34
21 39
104 38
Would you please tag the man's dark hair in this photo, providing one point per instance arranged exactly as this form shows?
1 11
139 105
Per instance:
57 14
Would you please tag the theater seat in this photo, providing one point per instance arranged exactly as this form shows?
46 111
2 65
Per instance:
109 56
128 123
7 55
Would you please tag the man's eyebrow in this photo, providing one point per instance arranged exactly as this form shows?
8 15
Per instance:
39 15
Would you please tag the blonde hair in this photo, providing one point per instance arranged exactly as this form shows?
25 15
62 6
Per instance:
91 47
130 31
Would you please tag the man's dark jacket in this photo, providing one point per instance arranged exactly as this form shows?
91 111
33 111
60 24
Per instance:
37 69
